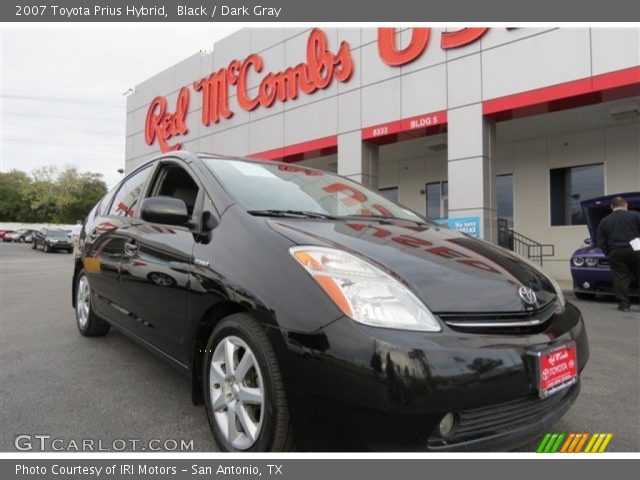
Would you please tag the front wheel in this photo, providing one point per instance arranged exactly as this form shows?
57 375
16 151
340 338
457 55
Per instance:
89 324
243 389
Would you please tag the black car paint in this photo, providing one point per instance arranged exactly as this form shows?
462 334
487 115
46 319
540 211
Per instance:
336 371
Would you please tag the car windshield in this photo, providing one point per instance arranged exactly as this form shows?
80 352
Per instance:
277 187
57 234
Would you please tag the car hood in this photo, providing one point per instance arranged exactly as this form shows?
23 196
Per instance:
450 272
589 252
595 209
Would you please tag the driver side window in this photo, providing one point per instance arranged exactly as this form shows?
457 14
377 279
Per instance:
174 181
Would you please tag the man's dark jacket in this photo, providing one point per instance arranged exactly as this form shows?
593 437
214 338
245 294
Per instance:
617 229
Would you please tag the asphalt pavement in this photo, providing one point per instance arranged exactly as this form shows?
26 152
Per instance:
109 390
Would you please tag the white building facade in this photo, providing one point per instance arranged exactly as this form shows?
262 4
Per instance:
488 129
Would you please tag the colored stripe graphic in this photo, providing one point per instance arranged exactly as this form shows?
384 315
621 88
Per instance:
582 441
607 439
567 442
550 443
556 446
592 441
543 443
574 442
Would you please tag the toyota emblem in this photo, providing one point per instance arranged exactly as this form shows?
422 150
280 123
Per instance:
527 295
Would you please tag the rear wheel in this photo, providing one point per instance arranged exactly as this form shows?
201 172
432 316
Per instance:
585 296
89 324
243 388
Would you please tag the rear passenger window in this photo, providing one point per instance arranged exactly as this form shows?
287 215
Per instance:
103 206
125 202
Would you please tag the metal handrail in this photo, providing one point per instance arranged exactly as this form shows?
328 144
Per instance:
523 245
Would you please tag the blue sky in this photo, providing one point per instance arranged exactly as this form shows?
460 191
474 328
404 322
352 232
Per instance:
61 90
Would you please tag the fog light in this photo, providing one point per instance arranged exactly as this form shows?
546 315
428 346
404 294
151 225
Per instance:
447 424
586 285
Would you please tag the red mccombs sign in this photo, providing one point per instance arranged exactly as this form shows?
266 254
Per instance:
320 69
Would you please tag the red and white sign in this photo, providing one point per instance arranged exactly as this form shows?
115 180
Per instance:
557 367
392 55
430 120
320 69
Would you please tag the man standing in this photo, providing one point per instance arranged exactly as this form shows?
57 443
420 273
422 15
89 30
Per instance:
615 234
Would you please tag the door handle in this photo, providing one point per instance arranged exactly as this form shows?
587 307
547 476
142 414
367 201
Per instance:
130 249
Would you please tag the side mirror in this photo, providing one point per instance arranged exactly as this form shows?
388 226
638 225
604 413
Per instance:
209 222
164 210
588 241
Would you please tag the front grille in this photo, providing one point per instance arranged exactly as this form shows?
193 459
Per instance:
496 322
504 417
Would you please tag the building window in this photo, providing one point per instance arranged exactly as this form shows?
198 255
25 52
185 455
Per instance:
437 194
569 187
390 193
504 190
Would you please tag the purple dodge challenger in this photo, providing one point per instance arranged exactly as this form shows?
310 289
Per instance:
589 266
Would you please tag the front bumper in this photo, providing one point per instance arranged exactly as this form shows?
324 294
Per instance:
373 388
59 245
600 281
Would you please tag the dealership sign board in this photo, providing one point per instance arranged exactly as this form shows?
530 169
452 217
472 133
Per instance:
468 225
320 69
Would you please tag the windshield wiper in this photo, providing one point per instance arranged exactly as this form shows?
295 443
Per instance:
291 213
386 219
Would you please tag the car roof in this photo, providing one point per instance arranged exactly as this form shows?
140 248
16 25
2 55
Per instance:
264 161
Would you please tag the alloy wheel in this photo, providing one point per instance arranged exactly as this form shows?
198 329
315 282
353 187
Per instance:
83 302
237 392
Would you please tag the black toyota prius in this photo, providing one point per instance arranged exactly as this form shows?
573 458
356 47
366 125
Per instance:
306 307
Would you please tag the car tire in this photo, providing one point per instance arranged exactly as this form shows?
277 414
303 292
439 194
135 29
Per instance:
269 427
34 245
69 250
584 296
89 324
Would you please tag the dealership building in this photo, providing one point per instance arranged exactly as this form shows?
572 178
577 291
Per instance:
501 132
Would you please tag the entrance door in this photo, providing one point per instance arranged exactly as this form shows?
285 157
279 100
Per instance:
504 189
437 194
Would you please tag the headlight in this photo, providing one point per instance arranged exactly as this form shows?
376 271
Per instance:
562 302
577 261
363 291
591 262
